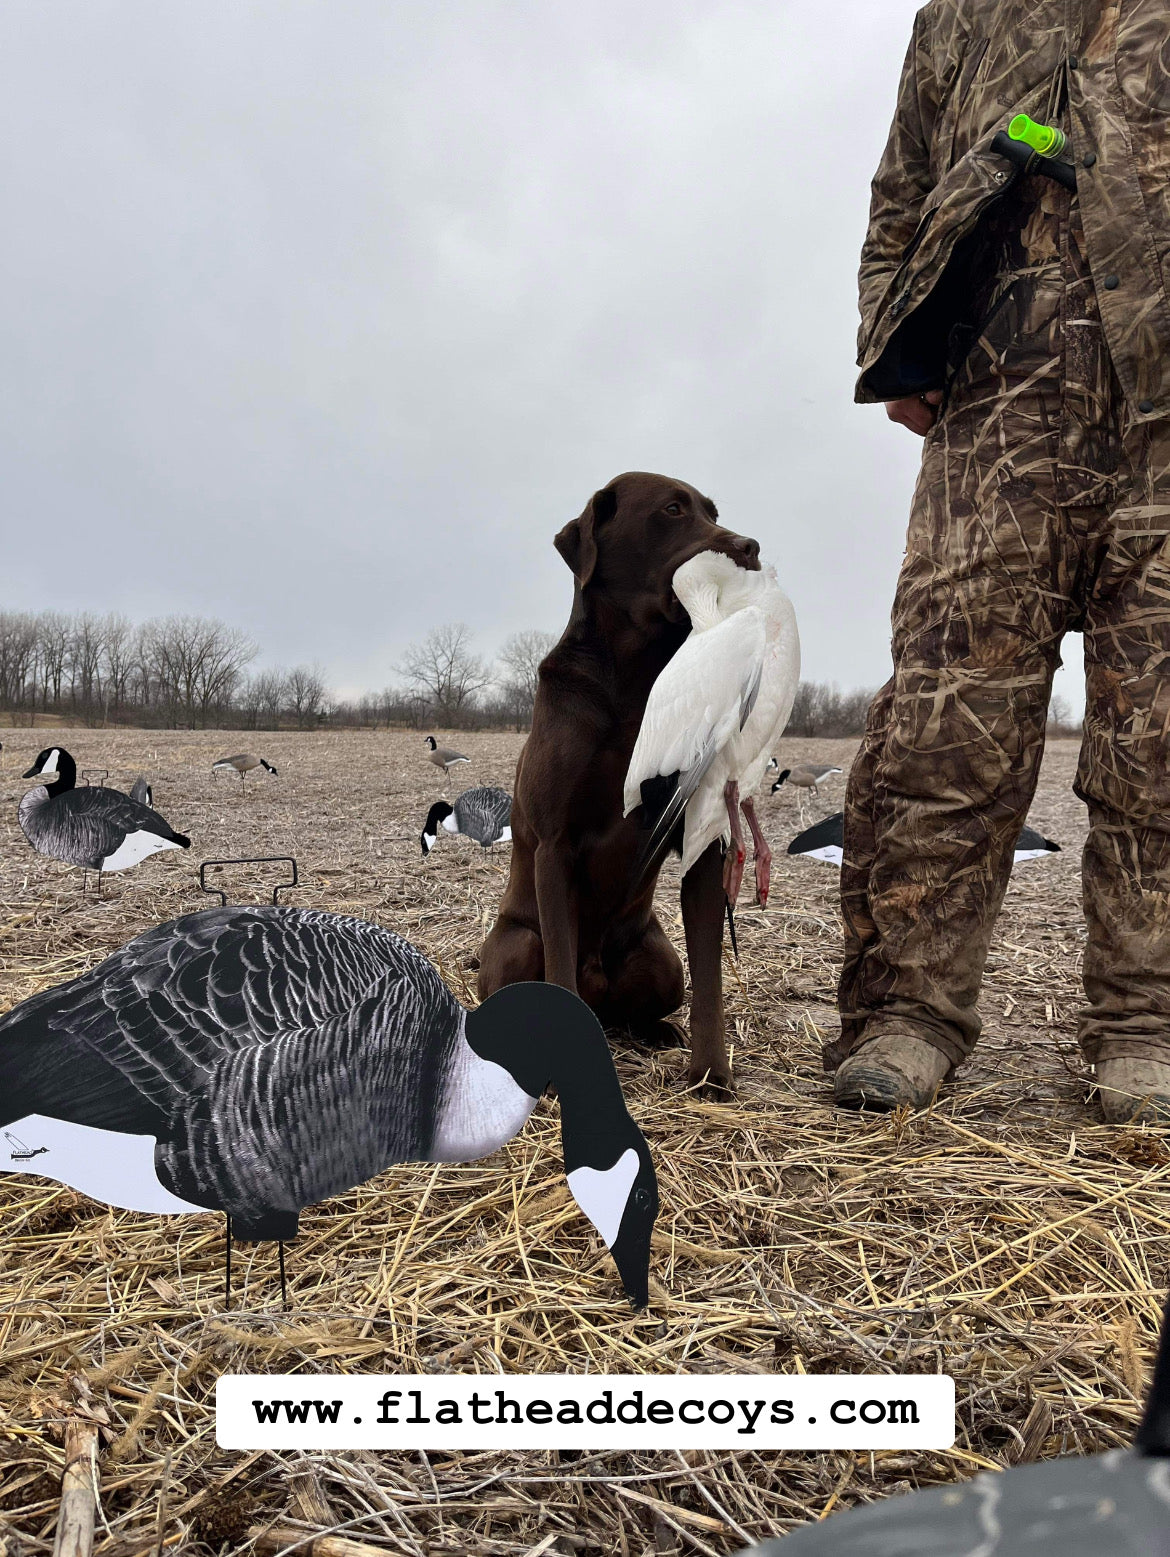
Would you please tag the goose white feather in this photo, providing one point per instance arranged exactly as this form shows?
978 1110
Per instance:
701 709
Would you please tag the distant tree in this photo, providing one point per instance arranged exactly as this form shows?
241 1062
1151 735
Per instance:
520 657
197 664
820 708
1061 720
305 693
444 673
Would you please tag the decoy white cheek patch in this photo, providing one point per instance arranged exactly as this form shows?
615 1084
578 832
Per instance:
50 764
602 1193
428 841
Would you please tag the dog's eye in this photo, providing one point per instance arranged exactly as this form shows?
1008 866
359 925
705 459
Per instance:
674 509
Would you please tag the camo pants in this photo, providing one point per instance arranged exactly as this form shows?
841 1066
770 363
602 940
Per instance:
1038 510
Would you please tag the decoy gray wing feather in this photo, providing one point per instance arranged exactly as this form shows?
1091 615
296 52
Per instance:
483 813
176 1003
311 1115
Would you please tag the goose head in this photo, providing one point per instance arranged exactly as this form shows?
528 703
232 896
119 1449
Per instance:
542 1034
267 766
435 816
780 777
55 768
432 743
712 585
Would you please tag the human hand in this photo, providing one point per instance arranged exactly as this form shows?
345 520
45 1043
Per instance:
917 412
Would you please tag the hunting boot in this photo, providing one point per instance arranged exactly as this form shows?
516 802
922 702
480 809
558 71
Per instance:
1134 1091
890 1071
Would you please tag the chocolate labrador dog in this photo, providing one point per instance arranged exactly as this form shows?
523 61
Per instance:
569 914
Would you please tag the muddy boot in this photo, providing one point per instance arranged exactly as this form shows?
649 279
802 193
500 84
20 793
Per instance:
1135 1091
890 1071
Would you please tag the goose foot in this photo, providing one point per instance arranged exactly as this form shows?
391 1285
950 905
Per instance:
762 853
734 858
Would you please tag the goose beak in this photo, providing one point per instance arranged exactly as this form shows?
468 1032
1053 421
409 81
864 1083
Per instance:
428 842
42 773
631 1248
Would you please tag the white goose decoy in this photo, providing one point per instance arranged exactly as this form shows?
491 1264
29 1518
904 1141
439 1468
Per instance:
93 827
715 712
259 1060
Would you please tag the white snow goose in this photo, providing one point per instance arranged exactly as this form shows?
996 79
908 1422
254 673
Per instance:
482 814
259 1060
93 827
713 715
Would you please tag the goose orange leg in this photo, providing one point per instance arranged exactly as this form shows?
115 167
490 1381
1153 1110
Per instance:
733 864
762 855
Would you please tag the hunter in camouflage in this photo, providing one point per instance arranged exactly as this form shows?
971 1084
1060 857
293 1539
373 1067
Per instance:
1037 322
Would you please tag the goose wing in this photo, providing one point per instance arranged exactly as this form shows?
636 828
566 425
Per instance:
483 813
103 818
278 1055
173 1005
702 697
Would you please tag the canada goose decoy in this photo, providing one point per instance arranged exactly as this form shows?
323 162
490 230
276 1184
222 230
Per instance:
279 1056
481 814
442 756
807 776
826 841
1115 1504
93 827
141 791
243 763
713 714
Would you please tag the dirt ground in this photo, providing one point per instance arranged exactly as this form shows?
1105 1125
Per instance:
1005 1236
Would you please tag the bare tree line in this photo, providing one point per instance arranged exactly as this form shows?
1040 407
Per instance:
193 672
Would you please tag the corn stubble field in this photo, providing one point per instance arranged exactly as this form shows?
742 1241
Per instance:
1005 1236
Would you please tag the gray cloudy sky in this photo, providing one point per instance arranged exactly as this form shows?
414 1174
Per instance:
322 316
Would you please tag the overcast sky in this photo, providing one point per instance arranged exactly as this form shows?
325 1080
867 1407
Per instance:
323 316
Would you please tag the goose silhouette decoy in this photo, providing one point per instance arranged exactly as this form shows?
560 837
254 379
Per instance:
258 1060
1115 1504
482 814
826 841
243 762
141 791
443 756
93 827
713 715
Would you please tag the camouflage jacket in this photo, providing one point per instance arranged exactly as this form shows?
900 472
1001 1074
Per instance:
1100 69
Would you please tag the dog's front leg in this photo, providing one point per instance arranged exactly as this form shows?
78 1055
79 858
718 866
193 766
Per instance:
556 903
702 911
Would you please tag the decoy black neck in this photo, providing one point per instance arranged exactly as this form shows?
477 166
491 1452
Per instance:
435 816
1153 1436
542 1034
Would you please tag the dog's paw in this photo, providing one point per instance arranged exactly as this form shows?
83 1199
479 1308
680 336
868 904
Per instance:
662 1034
710 1086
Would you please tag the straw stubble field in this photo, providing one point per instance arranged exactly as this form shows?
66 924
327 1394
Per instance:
1005 1236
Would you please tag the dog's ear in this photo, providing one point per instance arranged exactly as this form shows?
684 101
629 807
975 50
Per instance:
577 542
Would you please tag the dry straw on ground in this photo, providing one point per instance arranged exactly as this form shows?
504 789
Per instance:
1005 1236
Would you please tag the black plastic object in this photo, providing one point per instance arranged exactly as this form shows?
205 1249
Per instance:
251 859
1029 161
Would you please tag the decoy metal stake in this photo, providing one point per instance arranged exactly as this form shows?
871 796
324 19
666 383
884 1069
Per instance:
249 859
227 1270
283 1284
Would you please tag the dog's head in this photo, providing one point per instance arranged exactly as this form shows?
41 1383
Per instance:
636 532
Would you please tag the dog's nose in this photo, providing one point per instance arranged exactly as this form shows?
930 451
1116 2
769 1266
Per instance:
743 546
